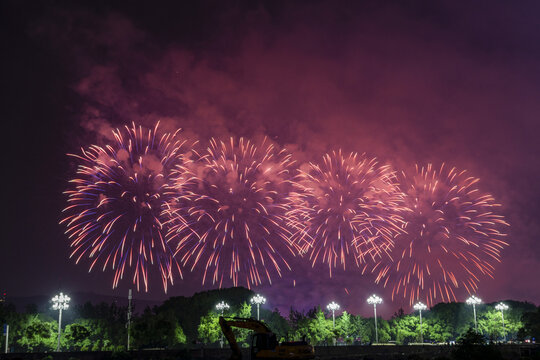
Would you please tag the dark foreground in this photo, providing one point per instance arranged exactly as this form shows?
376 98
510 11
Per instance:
507 352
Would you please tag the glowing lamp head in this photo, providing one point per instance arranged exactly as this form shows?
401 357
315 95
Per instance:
501 307
258 300
419 306
333 306
473 300
374 300
60 302
222 306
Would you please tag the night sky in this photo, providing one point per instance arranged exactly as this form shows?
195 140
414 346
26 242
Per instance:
436 82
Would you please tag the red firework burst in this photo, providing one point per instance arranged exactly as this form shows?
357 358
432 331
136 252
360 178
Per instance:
115 201
230 213
346 207
453 237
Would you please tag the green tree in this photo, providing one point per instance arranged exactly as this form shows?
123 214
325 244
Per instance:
319 329
38 335
161 330
345 328
405 329
361 329
77 337
209 330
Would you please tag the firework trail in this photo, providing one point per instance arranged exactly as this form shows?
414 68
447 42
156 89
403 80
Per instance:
229 219
115 200
453 237
348 207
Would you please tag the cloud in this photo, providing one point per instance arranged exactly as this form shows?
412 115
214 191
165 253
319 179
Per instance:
407 84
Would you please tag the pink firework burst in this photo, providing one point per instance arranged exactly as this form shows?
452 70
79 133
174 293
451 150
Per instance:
229 217
454 236
348 207
115 201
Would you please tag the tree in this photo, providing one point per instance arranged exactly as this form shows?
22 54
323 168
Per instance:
531 324
345 328
38 334
405 328
209 330
471 347
319 329
361 329
77 337
161 330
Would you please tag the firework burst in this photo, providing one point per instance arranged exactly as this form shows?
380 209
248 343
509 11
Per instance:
348 207
115 200
229 216
453 237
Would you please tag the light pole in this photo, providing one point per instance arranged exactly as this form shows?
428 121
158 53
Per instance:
374 299
420 306
501 307
222 306
60 302
333 307
258 300
473 300
128 325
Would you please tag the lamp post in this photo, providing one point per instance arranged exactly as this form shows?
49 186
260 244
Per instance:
60 302
473 300
258 300
128 325
501 307
374 299
222 306
333 306
420 306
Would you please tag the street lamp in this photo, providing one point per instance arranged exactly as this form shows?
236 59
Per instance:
222 306
501 307
258 300
420 306
473 300
374 299
60 302
333 307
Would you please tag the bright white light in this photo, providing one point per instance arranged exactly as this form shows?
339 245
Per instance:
420 306
60 302
258 300
333 306
473 300
374 299
501 307
222 306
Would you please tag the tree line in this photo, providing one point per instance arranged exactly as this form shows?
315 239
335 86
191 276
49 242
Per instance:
193 321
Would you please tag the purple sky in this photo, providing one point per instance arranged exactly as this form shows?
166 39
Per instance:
430 82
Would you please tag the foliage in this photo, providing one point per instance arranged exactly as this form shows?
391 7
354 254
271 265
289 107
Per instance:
471 346
209 329
181 320
531 325
157 330
37 335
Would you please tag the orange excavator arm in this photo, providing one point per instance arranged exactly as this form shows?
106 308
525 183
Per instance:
251 324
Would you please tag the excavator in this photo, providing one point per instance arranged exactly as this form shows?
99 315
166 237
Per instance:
264 345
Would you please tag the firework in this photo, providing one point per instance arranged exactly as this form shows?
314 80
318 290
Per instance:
228 219
115 200
453 237
348 207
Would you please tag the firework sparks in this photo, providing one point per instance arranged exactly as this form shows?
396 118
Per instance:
453 237
229 219
347 207
112 217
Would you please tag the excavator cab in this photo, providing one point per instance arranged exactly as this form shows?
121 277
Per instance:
262 341
264 345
